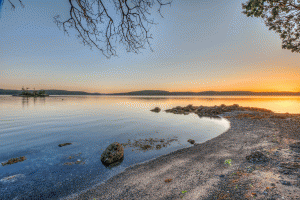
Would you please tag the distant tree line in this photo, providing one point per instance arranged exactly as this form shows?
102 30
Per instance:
34 93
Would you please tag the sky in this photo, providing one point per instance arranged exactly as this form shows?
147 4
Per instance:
199 45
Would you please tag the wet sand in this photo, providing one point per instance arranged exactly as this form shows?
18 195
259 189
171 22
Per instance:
200 172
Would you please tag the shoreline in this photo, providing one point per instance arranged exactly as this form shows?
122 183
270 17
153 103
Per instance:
200 172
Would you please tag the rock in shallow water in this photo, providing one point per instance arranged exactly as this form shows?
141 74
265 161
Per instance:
64 144
14 160
156 109
112 154
191 141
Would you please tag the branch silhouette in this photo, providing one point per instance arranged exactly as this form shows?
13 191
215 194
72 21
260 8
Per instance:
98 26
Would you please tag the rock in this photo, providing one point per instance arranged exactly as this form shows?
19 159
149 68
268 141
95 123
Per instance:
156 109
168 180
257 157
290 165
191 141
112 154
295 145
146 147
64 144
286 183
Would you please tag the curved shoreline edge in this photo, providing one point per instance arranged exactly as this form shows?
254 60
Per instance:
200 170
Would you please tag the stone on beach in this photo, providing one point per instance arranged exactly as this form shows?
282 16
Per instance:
112 154
191 141
257 157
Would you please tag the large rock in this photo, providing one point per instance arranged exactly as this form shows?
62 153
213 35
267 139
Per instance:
113 153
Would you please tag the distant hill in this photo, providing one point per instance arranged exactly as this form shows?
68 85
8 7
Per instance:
50 92
208 93
162 93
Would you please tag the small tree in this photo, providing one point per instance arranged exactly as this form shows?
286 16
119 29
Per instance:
34 92
42 92
23 91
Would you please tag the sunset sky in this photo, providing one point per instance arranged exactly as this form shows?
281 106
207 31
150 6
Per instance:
199 45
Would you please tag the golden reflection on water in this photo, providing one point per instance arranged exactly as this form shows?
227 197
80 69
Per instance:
277 104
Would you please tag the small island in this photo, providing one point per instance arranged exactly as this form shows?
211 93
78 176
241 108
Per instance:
34 93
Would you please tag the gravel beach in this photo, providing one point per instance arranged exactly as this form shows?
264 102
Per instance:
218 168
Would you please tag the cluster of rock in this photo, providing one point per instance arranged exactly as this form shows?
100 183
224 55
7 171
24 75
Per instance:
149 143
213 112
203 111
14 160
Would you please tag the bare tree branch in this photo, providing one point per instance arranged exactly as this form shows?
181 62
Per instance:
98 26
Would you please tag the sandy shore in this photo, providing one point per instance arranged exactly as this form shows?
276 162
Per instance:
200 172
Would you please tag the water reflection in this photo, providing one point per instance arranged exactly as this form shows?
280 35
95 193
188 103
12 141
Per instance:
90 123
277 104
27 100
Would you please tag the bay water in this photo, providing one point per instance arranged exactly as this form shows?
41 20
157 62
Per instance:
34 127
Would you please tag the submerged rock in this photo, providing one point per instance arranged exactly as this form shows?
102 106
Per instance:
257 157
64 144
149 143
112 154
14 160
156 109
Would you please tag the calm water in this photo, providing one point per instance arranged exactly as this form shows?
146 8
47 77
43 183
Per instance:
33 127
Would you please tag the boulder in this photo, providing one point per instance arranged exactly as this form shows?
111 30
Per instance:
112 154
156 109
257 157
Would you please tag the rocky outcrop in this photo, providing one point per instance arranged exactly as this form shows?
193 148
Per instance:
114 153
212 112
